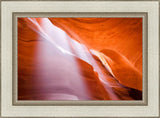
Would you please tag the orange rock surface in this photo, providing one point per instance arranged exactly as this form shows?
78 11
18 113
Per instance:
79 58
123 35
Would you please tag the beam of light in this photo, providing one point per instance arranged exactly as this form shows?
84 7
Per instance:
64 83
85 54
59 40
80 50
45 35
97 69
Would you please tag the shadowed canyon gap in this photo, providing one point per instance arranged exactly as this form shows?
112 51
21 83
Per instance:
79 58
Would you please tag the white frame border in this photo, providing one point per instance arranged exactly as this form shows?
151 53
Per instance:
151 7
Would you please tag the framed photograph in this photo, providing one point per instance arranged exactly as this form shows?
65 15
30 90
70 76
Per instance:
80 58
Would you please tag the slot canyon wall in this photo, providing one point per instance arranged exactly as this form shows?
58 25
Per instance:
79 58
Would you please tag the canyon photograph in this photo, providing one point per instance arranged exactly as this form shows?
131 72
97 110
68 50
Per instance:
79 58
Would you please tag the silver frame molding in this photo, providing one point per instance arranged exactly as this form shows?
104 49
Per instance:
76 104
142 102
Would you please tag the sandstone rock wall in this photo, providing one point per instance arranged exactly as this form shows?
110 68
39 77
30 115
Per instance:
56 60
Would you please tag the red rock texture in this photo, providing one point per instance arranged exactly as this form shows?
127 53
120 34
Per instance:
118 38
56 59
123 35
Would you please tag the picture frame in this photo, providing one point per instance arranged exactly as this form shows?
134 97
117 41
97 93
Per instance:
11 10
